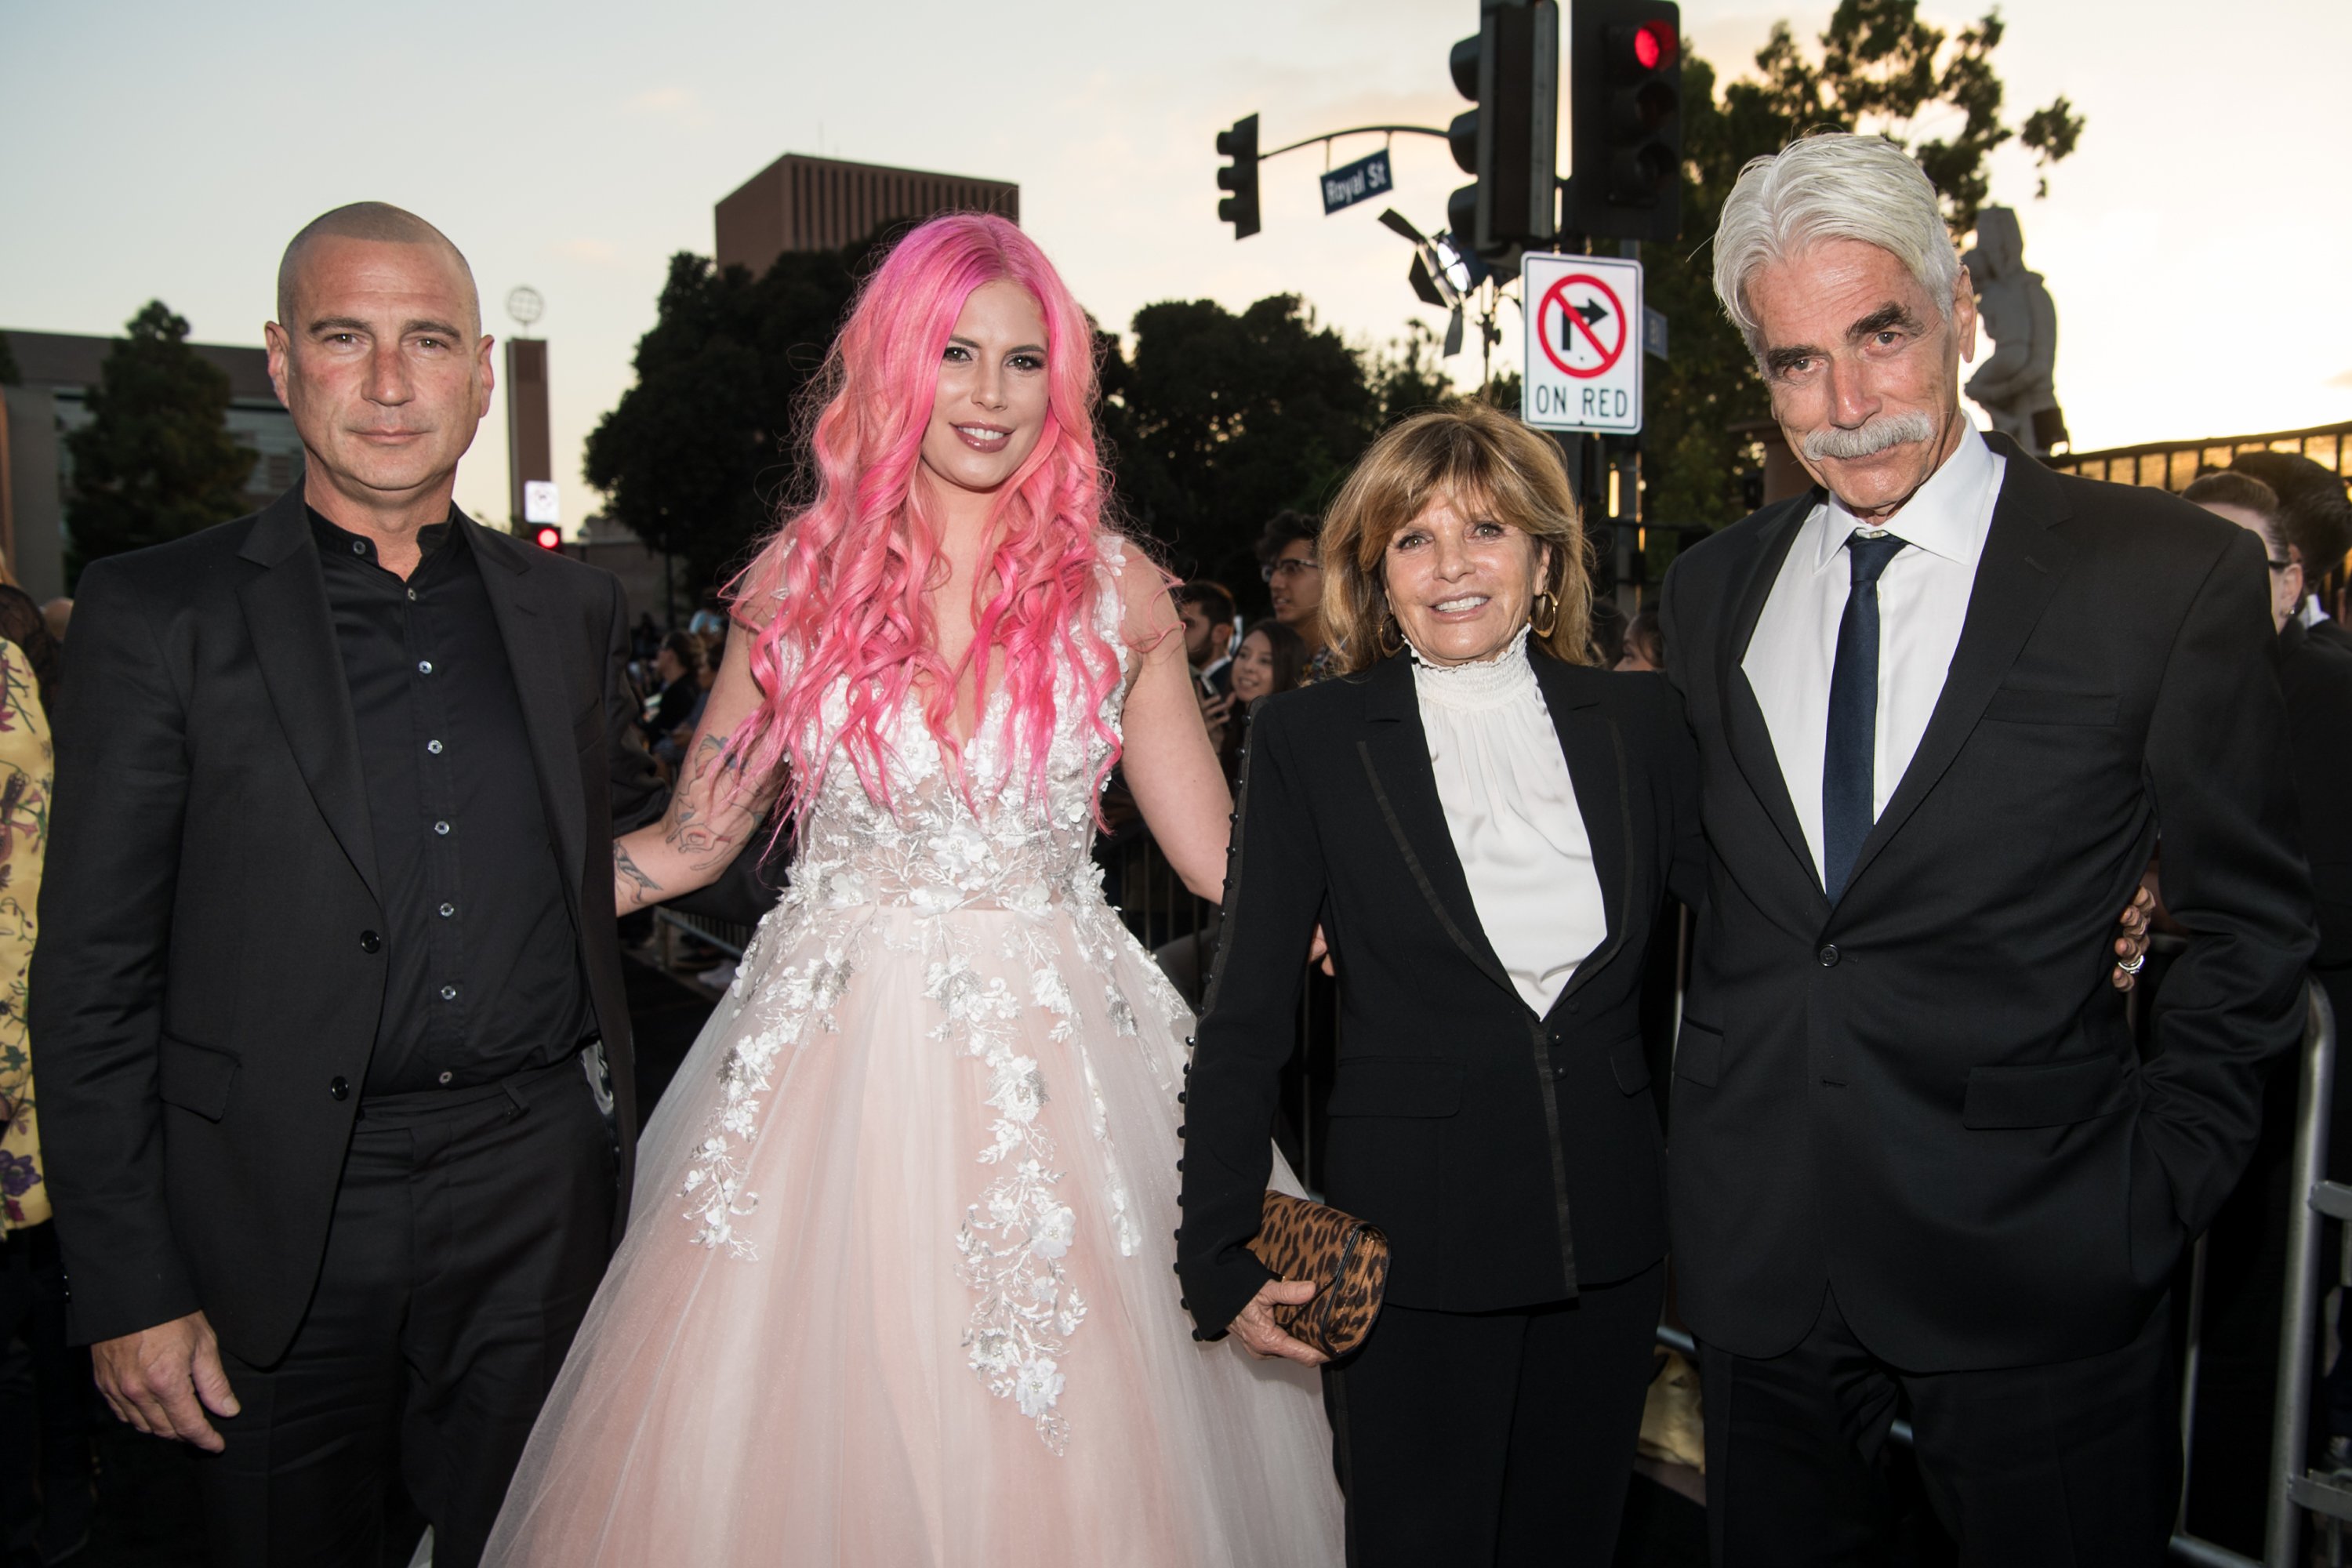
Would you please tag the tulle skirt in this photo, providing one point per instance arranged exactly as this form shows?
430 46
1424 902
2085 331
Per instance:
897 1285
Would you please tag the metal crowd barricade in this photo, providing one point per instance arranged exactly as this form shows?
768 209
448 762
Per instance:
669 926
2292 1489
1171 920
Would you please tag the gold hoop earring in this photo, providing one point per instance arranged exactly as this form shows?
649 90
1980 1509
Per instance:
1551 623
1389 624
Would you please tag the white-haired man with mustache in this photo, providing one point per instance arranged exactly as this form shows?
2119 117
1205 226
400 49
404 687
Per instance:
1945 702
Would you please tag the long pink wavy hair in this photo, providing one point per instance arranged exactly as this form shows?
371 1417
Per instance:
845 573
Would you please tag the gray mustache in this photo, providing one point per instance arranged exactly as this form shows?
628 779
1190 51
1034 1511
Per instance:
1869 439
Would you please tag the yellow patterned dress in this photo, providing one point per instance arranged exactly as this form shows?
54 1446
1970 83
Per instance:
25 765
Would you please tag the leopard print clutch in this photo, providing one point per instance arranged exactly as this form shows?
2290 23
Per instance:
1346 1258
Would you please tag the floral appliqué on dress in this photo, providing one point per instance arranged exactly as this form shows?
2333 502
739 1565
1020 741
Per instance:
940 854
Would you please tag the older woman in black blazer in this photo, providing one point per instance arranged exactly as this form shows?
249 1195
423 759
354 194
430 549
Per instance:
1485 827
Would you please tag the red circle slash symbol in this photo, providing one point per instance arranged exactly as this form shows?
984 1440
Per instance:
1597 319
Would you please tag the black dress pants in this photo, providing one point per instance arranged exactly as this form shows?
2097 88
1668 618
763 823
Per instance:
2074 1463
54 1421
1469 1438
468 1236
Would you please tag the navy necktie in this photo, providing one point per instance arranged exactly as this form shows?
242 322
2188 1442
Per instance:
1848 788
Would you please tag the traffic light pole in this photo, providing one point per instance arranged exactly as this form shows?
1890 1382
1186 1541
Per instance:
1625 138
1625 498
1239 178
1354 131
1605 472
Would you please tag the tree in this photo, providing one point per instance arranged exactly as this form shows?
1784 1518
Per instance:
1880 68
156 460
1219 421
695 457
1410 375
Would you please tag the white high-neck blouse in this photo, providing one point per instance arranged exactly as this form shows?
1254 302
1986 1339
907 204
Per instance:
1511 810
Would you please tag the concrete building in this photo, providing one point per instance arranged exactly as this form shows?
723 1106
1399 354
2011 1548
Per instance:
57 372
799 203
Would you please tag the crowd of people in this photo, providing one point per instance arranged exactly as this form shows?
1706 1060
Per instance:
671 674
959 1237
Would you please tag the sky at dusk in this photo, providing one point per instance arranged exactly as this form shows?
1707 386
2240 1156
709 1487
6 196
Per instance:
2196 244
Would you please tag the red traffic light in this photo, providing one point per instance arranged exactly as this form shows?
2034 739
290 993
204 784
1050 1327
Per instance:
1653 45
547 536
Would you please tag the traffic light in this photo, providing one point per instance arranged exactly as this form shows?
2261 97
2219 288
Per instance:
547 536
1626 119
1239 145
1508 141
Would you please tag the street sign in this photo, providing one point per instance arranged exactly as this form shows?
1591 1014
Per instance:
539 501
1584 351
1654 331
1358 181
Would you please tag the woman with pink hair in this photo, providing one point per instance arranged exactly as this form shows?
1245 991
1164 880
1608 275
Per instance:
896 1289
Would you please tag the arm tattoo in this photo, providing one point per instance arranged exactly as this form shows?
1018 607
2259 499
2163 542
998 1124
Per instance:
705 829
626 866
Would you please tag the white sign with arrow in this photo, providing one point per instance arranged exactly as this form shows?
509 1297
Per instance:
1584 330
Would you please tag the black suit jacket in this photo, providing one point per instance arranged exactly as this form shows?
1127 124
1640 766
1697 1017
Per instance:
1509 1157
1926 1095
2331 633
200 982
2315 676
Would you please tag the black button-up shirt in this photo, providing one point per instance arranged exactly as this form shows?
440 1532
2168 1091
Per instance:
483 975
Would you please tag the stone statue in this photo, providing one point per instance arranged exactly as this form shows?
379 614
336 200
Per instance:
2014 386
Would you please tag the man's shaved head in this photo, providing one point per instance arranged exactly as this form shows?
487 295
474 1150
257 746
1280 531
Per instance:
379 355
378 221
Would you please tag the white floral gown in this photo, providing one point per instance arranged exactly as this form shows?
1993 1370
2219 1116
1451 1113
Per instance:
897 1286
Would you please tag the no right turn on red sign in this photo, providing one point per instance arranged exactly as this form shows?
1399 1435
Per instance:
1584 360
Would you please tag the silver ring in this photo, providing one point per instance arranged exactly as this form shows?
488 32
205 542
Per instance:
2134 966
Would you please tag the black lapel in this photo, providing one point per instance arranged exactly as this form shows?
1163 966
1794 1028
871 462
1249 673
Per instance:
1595 750
1749 738
1395 752
531 628
2022 563
294 643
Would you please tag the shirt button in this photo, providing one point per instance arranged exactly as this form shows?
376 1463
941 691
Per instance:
449 909
448 992
423 667
359 547
1828 955
442 828
370 941
447 1076
412 594
339 1088
434 747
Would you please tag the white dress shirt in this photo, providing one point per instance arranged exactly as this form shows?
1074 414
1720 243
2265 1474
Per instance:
1923 601
1510 809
